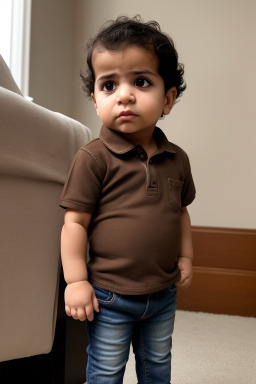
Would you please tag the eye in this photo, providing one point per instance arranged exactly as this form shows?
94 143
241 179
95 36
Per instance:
142 82
109 86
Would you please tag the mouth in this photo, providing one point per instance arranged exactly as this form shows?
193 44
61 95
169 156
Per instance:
126 115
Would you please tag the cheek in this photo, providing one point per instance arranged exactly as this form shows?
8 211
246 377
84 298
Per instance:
104 110
99 104
154 100
155 107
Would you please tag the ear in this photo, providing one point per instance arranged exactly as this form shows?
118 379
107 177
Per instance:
94 101
170 98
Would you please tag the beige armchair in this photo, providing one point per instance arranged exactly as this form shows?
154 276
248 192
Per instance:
36 149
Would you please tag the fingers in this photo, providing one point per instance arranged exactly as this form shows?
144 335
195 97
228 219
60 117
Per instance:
83 313
75 313
68 310
95 303
89 313
80 302
184 282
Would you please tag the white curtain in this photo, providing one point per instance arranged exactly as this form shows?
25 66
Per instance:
15 19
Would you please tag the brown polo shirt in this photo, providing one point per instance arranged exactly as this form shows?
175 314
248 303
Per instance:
135 201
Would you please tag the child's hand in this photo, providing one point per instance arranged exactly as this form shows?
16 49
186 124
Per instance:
186 270
80 301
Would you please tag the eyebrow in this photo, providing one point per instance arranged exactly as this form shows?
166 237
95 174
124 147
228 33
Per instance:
137 73
105 77
145 72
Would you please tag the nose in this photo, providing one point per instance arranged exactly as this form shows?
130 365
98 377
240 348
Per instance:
125 95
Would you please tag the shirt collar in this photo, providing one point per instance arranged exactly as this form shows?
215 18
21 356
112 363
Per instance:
118 144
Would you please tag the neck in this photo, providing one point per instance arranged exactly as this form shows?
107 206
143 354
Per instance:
150 148
147 142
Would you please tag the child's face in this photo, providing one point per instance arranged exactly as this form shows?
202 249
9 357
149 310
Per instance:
129 94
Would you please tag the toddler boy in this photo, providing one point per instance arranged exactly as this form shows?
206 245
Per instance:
126 195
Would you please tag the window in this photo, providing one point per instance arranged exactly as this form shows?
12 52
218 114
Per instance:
15 16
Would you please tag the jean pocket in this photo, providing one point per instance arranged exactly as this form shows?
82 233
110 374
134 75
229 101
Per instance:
104 297
175 189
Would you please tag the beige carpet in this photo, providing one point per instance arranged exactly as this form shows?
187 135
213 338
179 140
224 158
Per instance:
210 349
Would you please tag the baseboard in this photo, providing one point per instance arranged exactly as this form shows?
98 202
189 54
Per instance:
224 272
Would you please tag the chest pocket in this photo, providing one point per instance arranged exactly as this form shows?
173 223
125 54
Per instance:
175 188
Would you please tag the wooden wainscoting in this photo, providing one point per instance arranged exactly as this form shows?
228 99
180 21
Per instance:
224 272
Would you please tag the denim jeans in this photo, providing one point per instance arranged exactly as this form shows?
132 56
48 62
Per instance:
146 321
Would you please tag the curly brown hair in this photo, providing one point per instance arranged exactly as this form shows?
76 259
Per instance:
118 34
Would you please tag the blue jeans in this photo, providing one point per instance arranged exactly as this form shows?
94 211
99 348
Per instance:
146 321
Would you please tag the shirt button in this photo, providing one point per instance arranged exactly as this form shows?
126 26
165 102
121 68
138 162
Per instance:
150 161
141 156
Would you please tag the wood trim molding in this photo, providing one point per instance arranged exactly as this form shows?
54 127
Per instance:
224 247
224 272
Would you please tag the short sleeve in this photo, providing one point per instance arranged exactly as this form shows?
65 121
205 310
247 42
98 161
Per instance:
188 191
82 188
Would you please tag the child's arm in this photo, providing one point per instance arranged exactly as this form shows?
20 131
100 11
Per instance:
186 251
80 299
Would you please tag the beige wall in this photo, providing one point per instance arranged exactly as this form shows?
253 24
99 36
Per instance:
51 61
215 119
